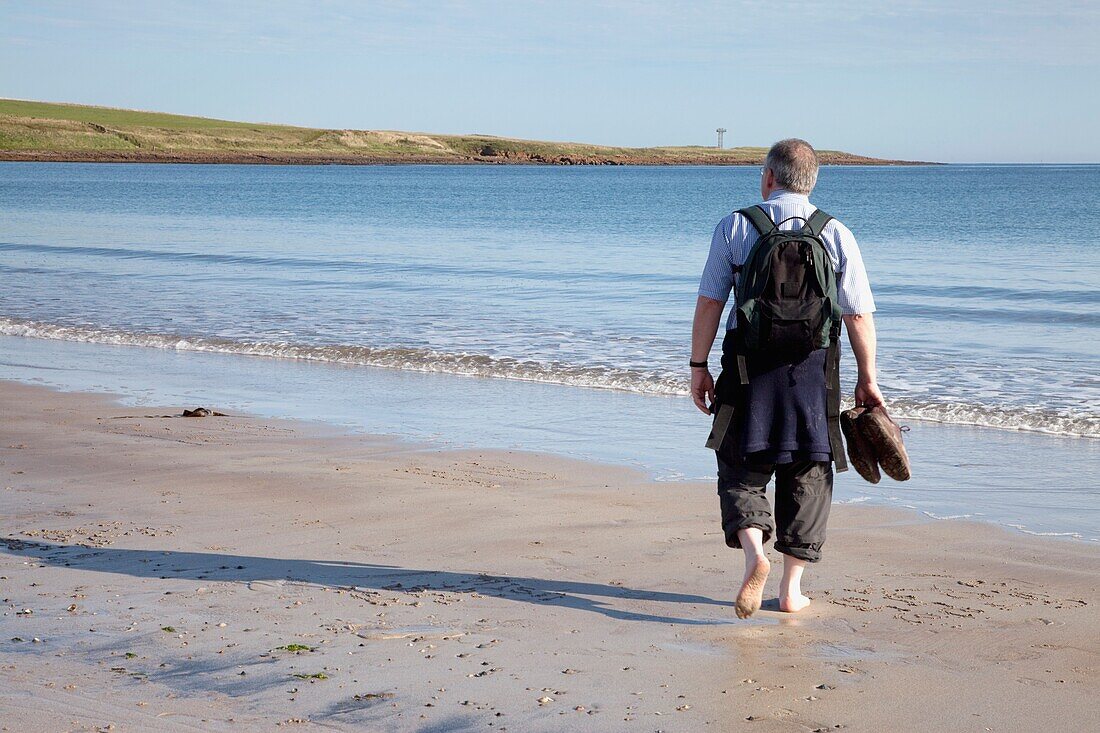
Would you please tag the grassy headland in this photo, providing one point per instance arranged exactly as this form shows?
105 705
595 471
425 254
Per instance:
46 131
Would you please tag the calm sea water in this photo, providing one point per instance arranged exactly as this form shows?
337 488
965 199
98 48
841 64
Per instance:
987 278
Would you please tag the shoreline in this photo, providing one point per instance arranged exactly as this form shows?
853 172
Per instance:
454 589
276 158
50 131
656 434
488 367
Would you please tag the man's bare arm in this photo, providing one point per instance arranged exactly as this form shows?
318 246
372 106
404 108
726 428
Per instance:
861 334
708 314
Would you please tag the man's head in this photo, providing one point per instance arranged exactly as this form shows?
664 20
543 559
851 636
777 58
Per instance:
792 165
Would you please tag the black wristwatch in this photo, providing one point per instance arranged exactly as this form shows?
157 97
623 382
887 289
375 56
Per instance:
697 364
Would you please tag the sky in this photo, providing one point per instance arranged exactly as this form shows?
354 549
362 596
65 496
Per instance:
953 81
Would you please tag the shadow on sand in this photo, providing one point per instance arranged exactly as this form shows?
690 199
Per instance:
166 564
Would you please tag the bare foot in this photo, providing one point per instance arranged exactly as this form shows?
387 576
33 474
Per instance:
793 604
752 589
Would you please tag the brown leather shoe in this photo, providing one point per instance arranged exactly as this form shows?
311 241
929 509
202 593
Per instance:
884 435
861 454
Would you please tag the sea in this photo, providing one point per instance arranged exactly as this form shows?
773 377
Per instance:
549 309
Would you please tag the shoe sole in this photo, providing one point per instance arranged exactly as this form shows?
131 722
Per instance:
861 454
885 438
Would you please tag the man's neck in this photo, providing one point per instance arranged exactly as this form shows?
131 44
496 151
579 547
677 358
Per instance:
778 192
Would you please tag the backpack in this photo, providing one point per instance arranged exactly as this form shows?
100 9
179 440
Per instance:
786 296
786 305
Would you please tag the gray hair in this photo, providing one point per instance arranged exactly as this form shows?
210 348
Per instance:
794 164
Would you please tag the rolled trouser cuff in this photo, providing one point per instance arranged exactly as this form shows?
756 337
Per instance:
732 528
800 551
803 497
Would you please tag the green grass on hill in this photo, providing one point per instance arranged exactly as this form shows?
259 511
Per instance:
118 117
47 126
45 130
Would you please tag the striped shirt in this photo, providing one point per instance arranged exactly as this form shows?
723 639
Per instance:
734 237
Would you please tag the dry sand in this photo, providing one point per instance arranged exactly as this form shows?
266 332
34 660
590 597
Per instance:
157 573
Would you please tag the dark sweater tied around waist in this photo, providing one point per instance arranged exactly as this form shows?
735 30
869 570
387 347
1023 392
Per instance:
784 417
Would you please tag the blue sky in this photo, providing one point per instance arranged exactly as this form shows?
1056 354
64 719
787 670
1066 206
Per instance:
967 80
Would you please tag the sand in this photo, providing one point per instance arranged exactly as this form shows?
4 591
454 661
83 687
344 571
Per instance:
235 573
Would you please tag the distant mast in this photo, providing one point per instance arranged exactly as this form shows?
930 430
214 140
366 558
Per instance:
720 131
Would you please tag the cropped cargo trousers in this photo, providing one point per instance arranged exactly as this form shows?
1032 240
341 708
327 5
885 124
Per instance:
803 494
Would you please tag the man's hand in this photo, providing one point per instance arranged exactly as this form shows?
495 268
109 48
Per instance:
702 388
708 312
867 394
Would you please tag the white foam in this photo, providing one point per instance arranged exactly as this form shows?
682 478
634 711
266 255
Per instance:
1038 419
408 359
1074 535
947 516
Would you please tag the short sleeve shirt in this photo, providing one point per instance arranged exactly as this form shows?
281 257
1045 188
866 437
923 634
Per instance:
734 237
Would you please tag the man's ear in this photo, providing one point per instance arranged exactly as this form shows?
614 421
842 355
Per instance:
767 182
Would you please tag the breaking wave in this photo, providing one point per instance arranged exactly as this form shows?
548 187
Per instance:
405 358
1036 419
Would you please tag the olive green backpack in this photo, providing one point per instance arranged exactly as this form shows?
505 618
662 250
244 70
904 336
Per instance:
786 297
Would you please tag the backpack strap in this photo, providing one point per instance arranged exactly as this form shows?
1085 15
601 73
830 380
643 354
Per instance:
832 404
763 225
725 433
759 218
815 225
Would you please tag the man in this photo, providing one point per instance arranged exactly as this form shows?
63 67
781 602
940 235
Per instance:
781 425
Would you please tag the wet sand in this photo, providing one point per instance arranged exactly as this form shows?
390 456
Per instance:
236 573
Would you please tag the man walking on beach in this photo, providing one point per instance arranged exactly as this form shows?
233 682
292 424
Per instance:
774 413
